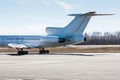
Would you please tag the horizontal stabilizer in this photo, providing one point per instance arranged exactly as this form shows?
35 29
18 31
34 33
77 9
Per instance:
102 14
89 14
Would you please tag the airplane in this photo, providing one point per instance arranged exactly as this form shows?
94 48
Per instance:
56 36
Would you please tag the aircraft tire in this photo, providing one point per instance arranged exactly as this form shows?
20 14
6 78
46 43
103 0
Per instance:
43 51
22 52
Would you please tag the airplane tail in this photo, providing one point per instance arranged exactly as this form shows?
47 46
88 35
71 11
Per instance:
76 26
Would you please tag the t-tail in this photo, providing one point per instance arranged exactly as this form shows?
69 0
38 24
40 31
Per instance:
75 27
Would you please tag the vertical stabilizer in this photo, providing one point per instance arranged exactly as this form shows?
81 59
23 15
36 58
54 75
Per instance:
78 24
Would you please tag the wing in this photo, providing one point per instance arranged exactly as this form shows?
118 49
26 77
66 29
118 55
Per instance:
23 45
14 45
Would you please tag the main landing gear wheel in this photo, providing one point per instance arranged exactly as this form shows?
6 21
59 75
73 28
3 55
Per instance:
21 52
42 51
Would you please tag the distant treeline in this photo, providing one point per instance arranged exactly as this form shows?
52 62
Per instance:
98 38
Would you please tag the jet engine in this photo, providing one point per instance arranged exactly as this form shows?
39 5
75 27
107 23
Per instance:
79 38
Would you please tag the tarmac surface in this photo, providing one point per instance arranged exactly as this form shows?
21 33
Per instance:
60 66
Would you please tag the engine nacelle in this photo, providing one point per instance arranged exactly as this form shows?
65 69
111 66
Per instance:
52 39
78 39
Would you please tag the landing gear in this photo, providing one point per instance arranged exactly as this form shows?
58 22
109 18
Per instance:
42 51
21 52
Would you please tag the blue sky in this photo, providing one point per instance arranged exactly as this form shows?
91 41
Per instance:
24 17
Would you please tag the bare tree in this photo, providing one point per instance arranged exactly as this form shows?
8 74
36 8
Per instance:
98 38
